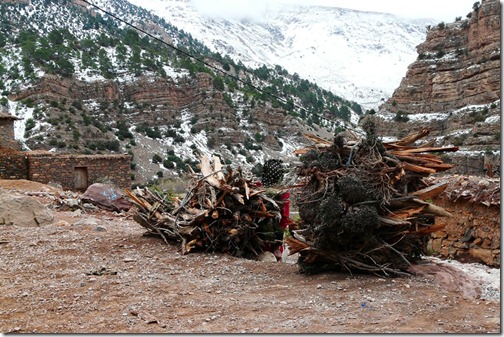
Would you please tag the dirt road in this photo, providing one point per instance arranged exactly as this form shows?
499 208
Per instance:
96 273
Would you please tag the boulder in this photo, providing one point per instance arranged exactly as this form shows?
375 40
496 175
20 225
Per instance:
22 210
107 197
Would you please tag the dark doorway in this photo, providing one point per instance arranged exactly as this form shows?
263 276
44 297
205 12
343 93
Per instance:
81 178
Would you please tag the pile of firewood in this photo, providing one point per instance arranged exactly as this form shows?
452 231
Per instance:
223 211
365 205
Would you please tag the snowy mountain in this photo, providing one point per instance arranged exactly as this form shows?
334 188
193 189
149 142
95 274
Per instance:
81 80
361 56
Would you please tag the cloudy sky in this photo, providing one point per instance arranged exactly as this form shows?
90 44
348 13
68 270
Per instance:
442 10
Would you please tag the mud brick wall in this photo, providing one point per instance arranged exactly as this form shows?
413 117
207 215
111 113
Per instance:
7 134
13 166
56 168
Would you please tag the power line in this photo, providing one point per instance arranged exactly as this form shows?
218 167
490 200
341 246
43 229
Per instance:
204 62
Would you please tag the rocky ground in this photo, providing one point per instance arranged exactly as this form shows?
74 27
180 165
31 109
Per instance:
95 272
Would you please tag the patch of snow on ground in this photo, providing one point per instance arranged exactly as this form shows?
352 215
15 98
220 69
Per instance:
124 77
459 132
354 118
288 147
493 119
175 74
386 115
427 117
387 139
200 139
470 153
92 104
469 108
487 277
20 110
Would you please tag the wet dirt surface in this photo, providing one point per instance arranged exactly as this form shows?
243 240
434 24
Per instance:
96 273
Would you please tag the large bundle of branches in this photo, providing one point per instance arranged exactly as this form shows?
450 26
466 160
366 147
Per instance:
365 205
222 212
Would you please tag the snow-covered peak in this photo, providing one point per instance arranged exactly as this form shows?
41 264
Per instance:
361 56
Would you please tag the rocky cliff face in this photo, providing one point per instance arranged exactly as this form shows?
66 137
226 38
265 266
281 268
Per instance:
164 99
458 65
188 112
453 89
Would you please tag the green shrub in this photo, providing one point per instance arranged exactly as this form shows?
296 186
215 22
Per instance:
401 117
211 143
218 84
28 102
168 164
174 158
171 133
76 134
113 145
459 140
259 137
156 159
29 124
153 133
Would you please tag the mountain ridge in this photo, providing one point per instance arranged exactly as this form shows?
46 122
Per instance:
86 85
318 43
91 84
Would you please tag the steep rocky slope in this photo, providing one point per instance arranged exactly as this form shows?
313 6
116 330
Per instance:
453 88
91 84
458 65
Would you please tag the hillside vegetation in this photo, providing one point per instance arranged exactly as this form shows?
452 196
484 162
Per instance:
101 63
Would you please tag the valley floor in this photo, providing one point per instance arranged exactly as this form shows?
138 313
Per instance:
97 273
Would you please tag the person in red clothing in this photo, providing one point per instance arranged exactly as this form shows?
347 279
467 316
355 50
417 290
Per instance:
272 175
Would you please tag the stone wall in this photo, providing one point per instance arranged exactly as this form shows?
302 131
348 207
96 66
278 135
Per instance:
7 133
56 168
13 165
473 233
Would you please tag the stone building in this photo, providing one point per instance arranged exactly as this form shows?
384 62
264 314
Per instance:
7 131
72 171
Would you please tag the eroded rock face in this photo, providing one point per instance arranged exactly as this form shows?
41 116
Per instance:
21 210
458 65
157 101
453 89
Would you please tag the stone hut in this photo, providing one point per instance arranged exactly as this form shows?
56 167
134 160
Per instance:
7 131
72 171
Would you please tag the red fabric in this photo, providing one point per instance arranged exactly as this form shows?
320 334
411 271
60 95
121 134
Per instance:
284 222
278 252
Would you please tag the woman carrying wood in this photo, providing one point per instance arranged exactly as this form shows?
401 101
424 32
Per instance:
271 176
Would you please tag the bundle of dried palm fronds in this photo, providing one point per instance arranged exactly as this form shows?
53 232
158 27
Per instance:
365 205
222 212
